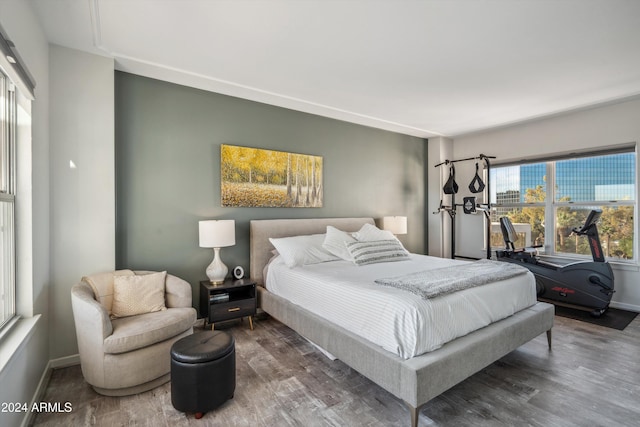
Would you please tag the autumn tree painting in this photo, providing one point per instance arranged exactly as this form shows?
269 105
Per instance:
252 177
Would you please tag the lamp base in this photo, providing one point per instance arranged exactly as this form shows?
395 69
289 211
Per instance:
217 271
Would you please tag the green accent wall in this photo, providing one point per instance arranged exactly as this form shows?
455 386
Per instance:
167 144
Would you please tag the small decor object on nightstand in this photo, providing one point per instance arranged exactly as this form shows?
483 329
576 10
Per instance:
234 299
238 272
217 234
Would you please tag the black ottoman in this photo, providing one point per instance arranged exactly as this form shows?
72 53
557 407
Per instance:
203 371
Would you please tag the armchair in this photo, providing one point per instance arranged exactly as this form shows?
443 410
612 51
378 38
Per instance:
128 355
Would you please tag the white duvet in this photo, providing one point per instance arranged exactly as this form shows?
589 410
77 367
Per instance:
396 320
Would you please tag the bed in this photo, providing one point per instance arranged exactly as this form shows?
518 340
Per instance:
416 379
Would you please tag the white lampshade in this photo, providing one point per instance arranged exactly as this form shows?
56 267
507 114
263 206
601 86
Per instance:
395 224
217 233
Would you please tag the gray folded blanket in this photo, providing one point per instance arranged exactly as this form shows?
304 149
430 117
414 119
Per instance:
441 281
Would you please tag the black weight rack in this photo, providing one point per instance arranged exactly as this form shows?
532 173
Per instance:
469 204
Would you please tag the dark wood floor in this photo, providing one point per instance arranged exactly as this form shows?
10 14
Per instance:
590 378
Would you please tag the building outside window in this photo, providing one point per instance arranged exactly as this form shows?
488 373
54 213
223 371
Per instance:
7 199
546 200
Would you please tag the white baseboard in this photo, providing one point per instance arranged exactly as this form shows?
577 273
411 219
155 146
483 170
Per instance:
62 362
37 396
623 306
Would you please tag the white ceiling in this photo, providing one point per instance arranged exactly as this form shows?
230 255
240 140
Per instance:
424 68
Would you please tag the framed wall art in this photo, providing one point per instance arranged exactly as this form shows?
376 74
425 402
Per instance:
253 177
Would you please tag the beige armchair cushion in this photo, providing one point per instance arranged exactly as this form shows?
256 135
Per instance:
131 333
133 295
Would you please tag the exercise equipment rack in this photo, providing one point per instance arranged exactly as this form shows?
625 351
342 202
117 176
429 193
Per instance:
469 205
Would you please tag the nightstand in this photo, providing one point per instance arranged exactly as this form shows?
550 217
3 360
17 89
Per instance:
234 299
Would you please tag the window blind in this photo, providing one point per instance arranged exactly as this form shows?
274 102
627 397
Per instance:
625 148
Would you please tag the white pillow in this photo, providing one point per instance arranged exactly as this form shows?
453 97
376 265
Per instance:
336 243
370 232
302 250
138 294
375 251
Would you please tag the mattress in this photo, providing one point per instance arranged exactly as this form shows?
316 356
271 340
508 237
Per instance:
398 321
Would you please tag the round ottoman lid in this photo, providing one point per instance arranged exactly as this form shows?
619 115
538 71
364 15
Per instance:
202 347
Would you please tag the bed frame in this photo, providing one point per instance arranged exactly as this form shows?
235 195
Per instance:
416 380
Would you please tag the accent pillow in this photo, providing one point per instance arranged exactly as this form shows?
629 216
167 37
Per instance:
141 294
376 251
302 250
370 232
336 243
102 286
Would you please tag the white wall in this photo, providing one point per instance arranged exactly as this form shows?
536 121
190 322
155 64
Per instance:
589 129
82 198
66 216
20 376
439 224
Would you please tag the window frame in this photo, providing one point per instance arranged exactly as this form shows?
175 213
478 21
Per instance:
551 205
8 126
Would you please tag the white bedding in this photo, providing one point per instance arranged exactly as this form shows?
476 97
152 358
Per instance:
398 321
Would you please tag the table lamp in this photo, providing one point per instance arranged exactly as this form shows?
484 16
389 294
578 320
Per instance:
395 224
217 234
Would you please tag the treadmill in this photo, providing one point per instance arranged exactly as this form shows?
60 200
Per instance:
585 285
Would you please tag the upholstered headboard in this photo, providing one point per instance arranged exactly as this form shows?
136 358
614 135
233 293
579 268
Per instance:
261 230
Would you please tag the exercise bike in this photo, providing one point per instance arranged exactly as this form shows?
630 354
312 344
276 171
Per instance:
585 285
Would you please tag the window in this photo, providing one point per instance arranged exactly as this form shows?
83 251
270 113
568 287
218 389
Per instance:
546 200
7 199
